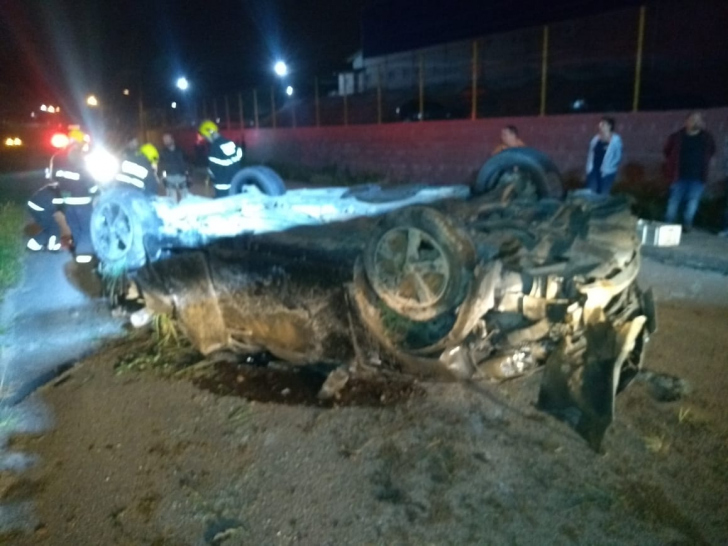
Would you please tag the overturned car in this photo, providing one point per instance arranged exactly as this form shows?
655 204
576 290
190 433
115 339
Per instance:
447 282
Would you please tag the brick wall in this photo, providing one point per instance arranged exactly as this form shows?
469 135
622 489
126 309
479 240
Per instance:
453 151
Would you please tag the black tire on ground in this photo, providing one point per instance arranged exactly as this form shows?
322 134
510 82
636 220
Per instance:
539 168
121 220
419 262
263 178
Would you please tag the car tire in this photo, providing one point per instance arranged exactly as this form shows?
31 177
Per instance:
263 178
121 221
541 171
419 263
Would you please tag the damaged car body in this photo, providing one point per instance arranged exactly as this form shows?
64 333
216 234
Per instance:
507 281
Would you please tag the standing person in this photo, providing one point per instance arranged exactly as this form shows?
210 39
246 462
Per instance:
688 153
509 139
76 190
223 158
173 168
605 154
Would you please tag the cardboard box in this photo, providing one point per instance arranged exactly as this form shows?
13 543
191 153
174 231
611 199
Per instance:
658 233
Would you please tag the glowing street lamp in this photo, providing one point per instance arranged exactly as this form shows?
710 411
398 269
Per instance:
174 105
126 92
92 101
183 84
289 90
43 108
281 69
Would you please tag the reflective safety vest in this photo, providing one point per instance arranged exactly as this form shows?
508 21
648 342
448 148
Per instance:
138 172
74 183
224 161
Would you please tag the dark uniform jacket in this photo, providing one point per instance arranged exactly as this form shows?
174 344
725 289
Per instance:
137 171
69 173
172 162
223 161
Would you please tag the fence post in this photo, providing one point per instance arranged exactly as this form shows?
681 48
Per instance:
316 101
240 111
346 109
421 83
227 112
379 94
544 69
273 105
142 129
638 60
255 107
474 90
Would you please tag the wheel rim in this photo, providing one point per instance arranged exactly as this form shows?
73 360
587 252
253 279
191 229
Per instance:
113 229
411 268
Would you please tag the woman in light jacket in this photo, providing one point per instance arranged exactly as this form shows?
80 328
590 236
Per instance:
605 153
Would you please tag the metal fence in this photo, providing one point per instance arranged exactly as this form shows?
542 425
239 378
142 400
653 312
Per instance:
664 55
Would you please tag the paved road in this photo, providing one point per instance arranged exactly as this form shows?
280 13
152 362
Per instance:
19 186
53 317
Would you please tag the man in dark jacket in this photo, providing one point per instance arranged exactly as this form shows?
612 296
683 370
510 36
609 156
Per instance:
173 168
688 153
223 157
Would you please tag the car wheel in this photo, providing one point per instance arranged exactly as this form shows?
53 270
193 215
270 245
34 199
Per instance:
263 178
419 263
531 172
120 221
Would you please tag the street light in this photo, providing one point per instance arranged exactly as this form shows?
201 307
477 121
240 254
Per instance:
183 84
289 90
174 105
280 69
126 92
92 101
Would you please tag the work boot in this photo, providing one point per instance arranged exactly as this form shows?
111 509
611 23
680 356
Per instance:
33 245
54 244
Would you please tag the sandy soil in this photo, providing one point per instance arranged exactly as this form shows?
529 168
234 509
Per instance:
137 458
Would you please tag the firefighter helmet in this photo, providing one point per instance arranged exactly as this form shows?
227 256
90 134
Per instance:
76 135
150 152
208 128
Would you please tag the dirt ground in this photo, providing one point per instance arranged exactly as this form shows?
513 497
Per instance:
136 457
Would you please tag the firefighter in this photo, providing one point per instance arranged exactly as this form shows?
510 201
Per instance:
223 158
139 170
42 209
75 190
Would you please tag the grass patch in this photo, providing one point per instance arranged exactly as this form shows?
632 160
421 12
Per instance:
12 220
165 352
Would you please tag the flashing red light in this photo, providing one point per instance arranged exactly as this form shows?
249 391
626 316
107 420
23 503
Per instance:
59 140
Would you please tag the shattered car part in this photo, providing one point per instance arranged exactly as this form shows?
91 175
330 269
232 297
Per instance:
491 288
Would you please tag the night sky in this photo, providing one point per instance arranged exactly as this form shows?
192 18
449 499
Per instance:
60 50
